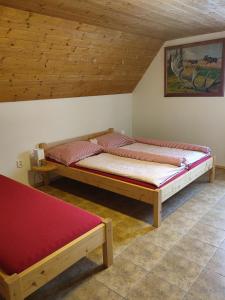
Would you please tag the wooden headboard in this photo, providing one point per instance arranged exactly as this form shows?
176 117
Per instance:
86 137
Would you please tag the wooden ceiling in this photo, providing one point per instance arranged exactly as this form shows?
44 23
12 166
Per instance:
68 48
159 18
43 57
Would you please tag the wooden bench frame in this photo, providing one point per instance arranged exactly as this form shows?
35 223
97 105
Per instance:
155 197
19 286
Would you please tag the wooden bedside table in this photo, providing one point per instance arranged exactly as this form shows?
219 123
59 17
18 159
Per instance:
44 170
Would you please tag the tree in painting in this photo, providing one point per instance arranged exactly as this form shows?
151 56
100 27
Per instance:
195 69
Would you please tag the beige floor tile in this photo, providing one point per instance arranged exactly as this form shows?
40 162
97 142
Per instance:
209 286
194 250
197 203
222 245
218 211
55 192
121 276
178 222
220 182
96 256
90 289
91 206
152 287
127 232
221 203
115 216
208 197
177 270
214 190
208 234
163 237
144 254
217 262
124 234
214 220
194 211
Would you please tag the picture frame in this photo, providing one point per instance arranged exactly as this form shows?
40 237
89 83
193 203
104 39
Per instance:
195 69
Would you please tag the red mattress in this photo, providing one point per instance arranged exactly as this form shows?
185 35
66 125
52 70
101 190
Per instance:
34 224
142 183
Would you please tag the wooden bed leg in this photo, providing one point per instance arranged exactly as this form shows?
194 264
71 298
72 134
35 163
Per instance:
107 247
157 207
212 172
14 288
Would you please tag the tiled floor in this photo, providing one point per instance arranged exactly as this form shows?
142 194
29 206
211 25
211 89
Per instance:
183 259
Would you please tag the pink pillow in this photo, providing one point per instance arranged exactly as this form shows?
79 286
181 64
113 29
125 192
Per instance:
114 140
73 152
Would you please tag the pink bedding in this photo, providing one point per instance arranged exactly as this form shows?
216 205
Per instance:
114 139
171 144
144 156
72 152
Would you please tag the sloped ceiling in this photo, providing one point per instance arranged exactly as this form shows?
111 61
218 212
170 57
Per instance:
159 18
66 48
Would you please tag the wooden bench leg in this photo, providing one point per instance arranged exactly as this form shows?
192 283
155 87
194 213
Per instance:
157 207
14 291
108 245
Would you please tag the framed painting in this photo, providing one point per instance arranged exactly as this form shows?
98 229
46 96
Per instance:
196 69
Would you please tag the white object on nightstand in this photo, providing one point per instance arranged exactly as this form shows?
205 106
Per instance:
38 155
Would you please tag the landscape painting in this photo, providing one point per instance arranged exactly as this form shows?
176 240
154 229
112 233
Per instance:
195 69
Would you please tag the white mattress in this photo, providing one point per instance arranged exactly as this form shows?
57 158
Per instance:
191 156
151 172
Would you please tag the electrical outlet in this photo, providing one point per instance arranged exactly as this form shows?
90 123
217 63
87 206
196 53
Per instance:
122 131
19 164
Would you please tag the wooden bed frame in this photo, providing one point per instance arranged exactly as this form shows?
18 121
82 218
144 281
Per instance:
19 286
154 197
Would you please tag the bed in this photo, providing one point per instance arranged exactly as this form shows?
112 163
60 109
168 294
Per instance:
130 187
30 255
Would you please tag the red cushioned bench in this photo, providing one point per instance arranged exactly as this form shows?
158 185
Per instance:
41 236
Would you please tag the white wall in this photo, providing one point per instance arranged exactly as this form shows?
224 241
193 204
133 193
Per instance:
25 124
197 120
190 119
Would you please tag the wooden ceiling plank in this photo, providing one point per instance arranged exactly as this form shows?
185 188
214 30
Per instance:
152 18
144 10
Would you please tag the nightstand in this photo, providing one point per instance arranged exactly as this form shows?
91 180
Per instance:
44 170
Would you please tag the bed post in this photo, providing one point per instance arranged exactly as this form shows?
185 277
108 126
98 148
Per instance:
212 172
157 207
14 290
107 247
